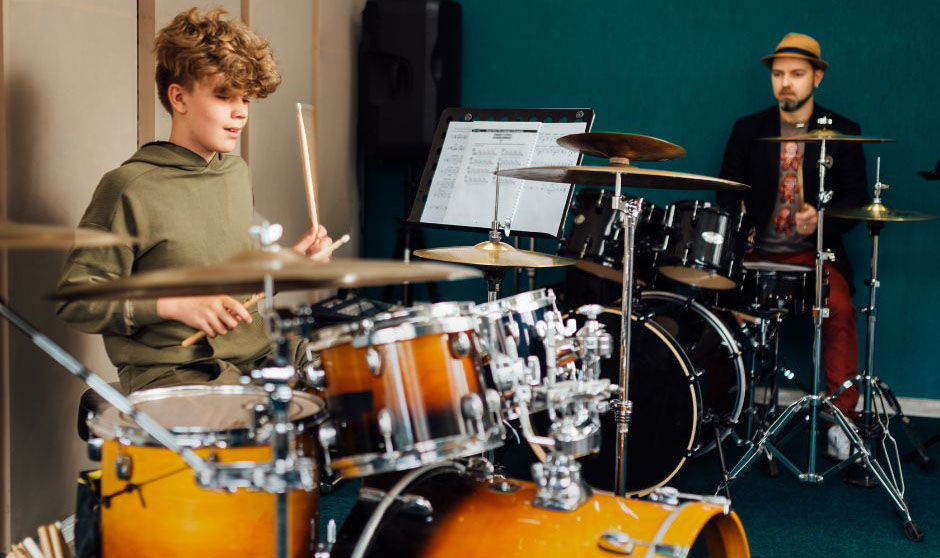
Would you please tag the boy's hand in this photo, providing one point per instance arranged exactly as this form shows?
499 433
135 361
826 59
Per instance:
806 220
313 243
214 315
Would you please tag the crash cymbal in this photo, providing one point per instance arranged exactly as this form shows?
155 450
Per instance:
630 177
29 236
613 145
877 212
245 273
828 135
493 254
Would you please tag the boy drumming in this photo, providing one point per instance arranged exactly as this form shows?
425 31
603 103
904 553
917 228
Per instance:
189 203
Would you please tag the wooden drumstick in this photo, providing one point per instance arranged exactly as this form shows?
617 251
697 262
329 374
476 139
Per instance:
55 537
251 302
45 541
310 180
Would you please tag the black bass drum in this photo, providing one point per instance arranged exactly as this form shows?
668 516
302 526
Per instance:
685 365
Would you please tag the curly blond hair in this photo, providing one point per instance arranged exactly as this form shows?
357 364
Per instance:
198 45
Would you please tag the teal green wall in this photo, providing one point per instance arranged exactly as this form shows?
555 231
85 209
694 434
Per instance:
683 71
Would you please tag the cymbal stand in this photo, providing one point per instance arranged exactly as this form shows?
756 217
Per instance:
630 208
812 402
204 471
494 275
286 471
871 428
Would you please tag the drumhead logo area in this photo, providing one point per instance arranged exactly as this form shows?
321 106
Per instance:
712 237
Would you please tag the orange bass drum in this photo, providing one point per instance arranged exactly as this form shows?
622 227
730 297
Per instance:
446 514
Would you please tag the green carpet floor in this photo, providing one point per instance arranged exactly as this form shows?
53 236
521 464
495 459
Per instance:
786 518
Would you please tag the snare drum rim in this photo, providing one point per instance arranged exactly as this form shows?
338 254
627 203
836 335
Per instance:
127 432
521 303
417 455
404 325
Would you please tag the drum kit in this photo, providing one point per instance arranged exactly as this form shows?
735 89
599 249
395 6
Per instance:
415 400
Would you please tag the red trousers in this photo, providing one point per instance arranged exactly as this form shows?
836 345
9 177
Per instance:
840 337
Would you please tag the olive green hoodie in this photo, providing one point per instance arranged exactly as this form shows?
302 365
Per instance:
185 212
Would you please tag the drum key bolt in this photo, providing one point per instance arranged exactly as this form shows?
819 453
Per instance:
124 466
327 436
94 448
374 361
471 407
385 429
460 345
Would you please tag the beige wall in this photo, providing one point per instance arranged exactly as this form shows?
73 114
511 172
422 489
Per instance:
71 99
71 96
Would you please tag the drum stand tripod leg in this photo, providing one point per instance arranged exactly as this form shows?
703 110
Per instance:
725 477
919 453
911 529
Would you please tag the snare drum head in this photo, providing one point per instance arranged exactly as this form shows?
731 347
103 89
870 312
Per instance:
198 415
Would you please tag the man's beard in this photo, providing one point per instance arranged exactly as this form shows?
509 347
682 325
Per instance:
793 106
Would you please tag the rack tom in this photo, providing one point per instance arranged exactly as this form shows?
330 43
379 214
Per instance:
404 390
704 245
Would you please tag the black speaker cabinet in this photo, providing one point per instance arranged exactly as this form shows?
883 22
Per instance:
409 71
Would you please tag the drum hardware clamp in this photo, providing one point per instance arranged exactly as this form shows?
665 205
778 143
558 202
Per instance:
410 503
618 542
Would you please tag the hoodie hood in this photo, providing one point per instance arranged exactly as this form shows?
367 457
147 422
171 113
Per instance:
166 154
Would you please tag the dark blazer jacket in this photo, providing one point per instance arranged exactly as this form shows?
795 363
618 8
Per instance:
757 164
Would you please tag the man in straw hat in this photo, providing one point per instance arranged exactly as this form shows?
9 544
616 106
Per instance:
772 169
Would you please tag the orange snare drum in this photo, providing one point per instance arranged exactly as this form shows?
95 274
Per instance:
152 505
404 390
447 515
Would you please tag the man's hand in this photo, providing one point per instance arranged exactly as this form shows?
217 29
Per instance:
806 220
314 242
214 315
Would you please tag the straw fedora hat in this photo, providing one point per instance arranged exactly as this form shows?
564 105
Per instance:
797 45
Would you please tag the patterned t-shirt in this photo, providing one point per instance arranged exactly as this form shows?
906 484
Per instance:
780 234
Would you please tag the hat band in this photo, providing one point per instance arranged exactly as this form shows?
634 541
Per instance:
797 50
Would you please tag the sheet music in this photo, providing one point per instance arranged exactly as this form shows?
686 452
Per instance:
541 205
462 190
465 194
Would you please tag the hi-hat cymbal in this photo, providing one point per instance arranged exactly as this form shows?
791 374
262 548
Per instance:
630 177
612 145
877 212
493 254
29 236
245 273
828 135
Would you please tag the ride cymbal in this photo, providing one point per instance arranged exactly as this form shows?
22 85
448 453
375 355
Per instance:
631 176
245 273
614 145
828 135
877 212
493 254
30 236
